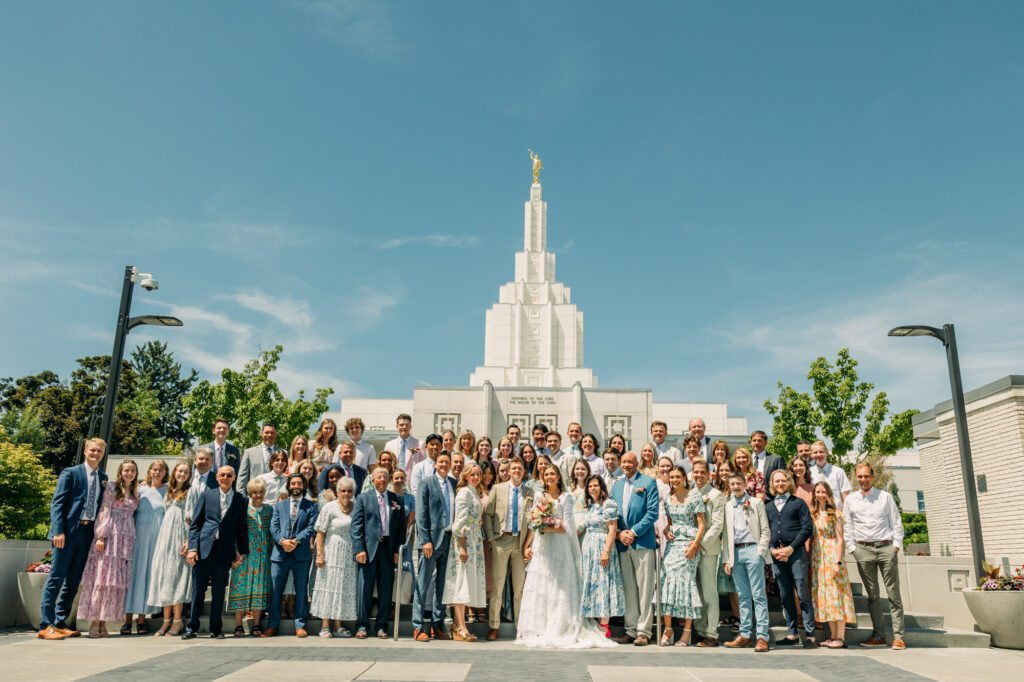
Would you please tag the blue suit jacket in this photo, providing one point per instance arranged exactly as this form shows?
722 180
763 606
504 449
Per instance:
792 526
207 524
643 509
69 500
282 527
232 455
366 525
430 515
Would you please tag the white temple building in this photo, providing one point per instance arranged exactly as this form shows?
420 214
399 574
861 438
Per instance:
533 370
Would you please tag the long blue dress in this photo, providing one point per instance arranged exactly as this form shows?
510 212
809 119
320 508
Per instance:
602 585
148 518
680 596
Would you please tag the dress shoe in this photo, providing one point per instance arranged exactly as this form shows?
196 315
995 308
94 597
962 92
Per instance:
624 639
188 634
420 636
874 643
269 632
216 635
810 643
439 633
708 642
641 640
301 632
68 632
492 634
740 642
762 645
787 641
50 632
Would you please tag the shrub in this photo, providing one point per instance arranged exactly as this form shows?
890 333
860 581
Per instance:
26 488
915 528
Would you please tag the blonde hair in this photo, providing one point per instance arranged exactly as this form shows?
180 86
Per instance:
255 485
790 483
464 479
154 463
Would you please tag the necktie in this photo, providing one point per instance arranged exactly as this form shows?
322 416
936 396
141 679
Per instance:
220 456
401 456
627 494
447 504
515 510
383 515
90 498
295 508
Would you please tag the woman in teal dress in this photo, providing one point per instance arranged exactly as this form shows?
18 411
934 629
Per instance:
602 577
680 596
250 580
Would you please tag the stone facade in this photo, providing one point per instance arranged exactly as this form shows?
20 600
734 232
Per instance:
995 422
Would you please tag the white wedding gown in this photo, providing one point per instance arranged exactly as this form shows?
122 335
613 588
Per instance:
550 616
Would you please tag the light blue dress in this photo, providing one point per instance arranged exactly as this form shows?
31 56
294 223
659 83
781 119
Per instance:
602 585
680 596
148 518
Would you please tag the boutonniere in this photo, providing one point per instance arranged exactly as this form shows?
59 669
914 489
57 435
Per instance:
415 450
395 505
707 500
640 491
746 505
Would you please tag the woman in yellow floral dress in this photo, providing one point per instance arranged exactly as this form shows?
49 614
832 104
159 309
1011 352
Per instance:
830 581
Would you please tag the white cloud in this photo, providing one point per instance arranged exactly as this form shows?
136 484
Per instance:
288 311
447 241
364 25
368 306
93 288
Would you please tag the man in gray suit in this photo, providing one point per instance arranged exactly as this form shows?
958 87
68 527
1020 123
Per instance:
256 460
224 453
505 527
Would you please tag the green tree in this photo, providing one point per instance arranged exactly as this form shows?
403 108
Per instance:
249 398
163 386
23 427
835 408
26 487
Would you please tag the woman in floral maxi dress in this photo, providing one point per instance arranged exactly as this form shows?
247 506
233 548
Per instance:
598 523
830 581
680 596
466 581
250 580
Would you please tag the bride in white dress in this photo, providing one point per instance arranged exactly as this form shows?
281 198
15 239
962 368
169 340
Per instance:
550 616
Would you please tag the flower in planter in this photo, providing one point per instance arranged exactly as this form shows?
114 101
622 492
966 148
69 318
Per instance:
41 566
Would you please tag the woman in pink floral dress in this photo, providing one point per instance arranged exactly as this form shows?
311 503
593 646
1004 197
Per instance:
108 570
830 581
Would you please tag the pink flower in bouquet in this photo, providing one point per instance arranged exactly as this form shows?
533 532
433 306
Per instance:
542 513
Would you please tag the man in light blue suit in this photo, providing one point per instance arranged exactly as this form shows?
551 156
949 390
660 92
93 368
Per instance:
292 526
76 502
637 498
435 509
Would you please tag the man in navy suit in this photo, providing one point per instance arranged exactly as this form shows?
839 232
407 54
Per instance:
346 460
224 453
637 497
218 538
76 501
292 527
764 461
435 509
791 526
378 531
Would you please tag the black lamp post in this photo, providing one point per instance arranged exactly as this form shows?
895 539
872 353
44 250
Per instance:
948 338
124 325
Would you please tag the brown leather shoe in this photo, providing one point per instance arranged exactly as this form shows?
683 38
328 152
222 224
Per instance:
708 642
301 633
762 645
420 636
641 640
874 642
50 632
740 642
270 632
68 632
624 639
439 633
492 634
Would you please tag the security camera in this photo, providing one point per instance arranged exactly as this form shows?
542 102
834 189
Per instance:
149 284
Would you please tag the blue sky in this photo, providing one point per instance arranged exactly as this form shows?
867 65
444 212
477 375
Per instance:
734 189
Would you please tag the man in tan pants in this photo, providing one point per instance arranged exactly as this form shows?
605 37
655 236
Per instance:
504 526
711 550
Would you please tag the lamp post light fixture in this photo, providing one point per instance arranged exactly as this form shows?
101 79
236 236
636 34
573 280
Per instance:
125 323
948 338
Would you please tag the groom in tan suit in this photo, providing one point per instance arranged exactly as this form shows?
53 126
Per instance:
505 527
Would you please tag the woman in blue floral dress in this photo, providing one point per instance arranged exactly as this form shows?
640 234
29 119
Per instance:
602 578
680 596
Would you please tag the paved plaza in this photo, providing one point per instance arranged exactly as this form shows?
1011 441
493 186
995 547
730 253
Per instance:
284 658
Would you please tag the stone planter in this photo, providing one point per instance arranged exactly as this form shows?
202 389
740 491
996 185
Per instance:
1000 614
30 587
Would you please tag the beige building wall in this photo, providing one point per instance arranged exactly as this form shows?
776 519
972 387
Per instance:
995 420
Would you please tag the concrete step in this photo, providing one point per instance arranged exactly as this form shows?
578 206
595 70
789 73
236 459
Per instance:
913 637
910 620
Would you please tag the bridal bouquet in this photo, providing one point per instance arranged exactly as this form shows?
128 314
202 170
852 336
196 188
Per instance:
543 513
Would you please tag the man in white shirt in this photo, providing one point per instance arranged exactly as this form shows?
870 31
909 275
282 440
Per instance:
406 448
659 431
762 460
698 430
873 532
366 456
426 467
256 460
823 470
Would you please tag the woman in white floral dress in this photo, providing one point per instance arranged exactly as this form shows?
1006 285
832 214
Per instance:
334 596
466 581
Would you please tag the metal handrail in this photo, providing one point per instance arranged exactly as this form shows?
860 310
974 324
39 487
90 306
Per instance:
409 537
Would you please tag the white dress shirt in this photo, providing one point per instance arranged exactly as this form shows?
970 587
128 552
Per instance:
365 454
740 532
670 451
871 517
597 467
276 484
421 471
836 479
759 460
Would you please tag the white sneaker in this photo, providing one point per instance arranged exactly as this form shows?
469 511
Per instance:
325 633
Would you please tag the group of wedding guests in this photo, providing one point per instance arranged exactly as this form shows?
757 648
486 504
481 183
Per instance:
561 538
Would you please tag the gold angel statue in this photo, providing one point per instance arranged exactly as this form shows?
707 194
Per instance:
537 165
